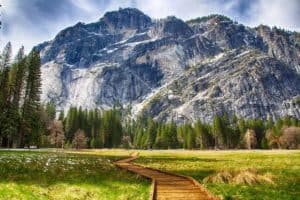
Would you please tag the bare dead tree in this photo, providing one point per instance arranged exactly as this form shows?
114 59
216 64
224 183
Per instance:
79 140
57 135
250 139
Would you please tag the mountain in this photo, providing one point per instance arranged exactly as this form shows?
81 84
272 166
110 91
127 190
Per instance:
173 70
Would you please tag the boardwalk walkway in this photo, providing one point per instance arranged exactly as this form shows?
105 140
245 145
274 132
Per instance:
167 186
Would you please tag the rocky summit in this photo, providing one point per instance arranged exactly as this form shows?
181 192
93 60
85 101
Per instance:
172 69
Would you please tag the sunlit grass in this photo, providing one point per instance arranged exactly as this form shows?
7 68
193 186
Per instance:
283 165
90 174
42 175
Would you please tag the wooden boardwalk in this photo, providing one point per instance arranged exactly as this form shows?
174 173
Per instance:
168 186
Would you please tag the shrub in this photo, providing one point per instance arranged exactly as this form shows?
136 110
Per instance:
243 177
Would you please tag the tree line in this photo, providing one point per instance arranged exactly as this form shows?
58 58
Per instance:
223 133
108 129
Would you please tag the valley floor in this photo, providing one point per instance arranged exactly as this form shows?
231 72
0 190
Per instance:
90 174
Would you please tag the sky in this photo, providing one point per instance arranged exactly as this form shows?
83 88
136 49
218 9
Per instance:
30 22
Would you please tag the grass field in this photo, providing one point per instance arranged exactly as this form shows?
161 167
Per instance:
284 166
42 175
91 174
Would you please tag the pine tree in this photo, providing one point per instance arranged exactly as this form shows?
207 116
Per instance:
190 138
61 116
151 132
217 131
97 127
202 135
71 124
158 139
226 132
172 135
235 132
31 125
18 76
111 129
51 110
180 136
259 129
6 126
139 136
242 130
117 129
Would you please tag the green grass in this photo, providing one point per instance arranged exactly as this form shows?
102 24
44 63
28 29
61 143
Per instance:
283 165
50 175
92 175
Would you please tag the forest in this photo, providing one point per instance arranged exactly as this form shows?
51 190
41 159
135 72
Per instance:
26 122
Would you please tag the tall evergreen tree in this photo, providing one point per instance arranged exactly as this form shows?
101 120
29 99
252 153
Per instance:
18 76
172 135
61 116
151 132
217 128
31 126
51 110
202 135
6 125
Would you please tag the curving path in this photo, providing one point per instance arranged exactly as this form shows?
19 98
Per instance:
167 186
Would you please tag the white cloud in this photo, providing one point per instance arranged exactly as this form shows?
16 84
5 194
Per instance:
30 31
285 14
281 13
186 9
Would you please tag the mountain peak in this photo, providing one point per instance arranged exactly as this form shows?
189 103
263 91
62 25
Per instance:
126 18
171 69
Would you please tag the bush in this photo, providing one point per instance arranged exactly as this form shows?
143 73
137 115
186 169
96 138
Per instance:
243 177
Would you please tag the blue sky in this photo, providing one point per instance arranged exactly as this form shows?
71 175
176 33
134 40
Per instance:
30 22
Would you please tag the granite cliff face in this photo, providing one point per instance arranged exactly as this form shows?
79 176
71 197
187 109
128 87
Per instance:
171 69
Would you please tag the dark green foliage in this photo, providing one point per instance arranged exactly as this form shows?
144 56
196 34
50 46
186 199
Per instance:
51 110
218 133
225 132
101 130
6 125
203 135
151 132
31 125
17 79
61 116
88 121
22 118
111 129
190 138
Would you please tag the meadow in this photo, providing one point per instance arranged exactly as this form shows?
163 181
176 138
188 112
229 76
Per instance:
282 165
57 175
90 174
